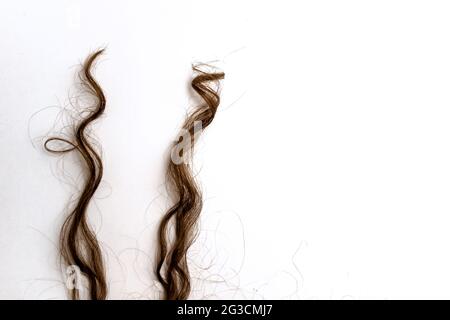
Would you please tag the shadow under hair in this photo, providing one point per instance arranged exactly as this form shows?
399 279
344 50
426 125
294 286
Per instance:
172 267
78 243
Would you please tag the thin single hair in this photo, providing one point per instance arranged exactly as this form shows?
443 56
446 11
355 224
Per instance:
172 266
78 243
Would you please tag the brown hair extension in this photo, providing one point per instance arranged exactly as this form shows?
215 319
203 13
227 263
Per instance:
186 210
78 244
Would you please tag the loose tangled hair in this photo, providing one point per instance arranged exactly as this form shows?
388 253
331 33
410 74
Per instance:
172 268
78 243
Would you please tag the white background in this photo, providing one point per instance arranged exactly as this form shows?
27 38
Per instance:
326 172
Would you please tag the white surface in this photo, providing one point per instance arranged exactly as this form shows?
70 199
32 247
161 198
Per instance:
326 172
